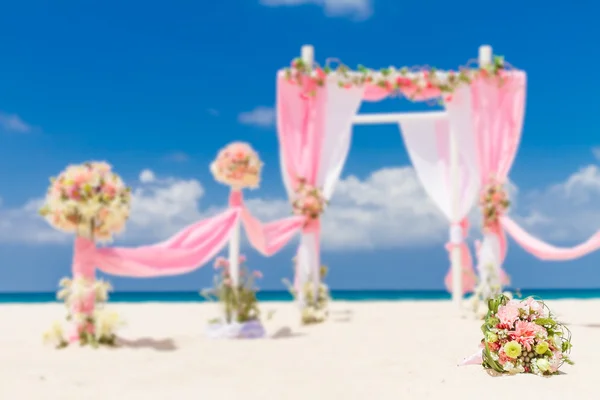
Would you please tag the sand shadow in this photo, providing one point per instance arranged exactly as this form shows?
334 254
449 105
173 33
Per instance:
148 343
344 320
342 312
286 333
593 326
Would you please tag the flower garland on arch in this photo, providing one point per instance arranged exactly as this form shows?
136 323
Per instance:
494 203
417 83
308 201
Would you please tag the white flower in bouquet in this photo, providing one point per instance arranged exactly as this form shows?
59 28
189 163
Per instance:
88 200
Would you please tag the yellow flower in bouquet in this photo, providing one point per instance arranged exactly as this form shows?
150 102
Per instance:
89 200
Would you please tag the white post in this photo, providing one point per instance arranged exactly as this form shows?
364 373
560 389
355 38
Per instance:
234 259
485 55
456 258
307 52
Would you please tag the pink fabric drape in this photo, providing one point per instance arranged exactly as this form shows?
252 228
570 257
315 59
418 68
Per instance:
268 238
301 132
545 251
186 251
498 112
469 279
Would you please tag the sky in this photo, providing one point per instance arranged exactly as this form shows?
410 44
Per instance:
157 88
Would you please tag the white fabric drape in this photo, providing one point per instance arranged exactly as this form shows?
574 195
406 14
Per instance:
342 105
427 142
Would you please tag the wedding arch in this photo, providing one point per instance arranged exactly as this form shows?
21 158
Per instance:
457 154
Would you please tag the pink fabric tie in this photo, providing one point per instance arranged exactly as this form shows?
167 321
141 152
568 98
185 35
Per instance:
468 274
268 238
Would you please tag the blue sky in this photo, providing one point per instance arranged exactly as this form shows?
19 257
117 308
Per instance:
157 87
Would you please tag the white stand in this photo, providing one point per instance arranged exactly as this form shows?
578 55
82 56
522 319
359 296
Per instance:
234 261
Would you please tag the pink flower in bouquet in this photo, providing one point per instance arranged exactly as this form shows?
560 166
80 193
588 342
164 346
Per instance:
508 314
242 259
525 333
533 306
227 282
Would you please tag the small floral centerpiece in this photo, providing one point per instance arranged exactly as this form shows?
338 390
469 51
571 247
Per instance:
315 308
241 314
494 203
524 337
91 324
89 200
308 201
237 165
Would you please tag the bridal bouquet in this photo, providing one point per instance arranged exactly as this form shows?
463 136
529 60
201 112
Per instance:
89 200
238 166
523 337
90 323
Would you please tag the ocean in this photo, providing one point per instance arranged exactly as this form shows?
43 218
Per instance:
343 295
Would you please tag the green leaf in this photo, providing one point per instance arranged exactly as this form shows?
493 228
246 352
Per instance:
545 322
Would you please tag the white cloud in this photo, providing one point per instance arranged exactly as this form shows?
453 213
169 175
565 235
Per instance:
565 211
387 209
147 176
358 9
260 116
12 123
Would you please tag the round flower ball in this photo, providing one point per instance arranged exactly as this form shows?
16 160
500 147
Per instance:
237 165
89 200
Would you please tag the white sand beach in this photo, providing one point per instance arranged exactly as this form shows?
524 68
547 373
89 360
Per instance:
379 351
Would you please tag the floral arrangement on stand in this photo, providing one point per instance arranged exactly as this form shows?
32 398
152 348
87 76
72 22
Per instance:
314 310
91 323
524 337
241 314
92 202
416 83
237 165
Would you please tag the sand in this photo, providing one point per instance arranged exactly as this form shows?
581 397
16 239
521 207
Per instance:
373 350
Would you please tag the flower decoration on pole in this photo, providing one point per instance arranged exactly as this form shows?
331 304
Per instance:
237 165
316 309
241 314
92 202
524 337
92 324
494 203
415 83
308 201
89 200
